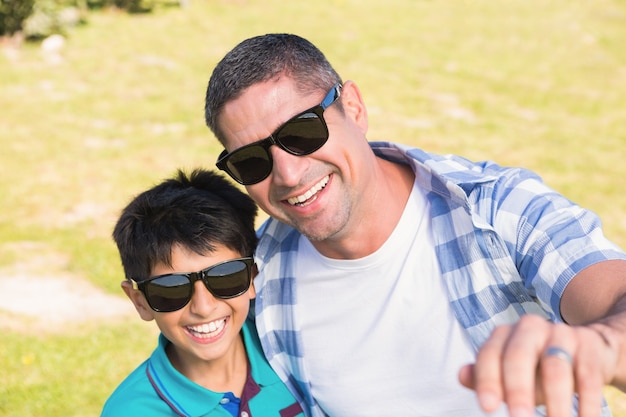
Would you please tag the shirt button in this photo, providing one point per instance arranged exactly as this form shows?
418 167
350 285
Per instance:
224 400
244 414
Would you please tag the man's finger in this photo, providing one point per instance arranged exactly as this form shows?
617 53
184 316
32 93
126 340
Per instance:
556 371
487 371
519 364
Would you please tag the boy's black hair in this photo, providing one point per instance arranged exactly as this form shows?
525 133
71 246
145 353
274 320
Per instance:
197 212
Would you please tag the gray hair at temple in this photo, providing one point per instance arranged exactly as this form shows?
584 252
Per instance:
263 58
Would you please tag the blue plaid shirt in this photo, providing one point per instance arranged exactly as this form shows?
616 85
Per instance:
507 245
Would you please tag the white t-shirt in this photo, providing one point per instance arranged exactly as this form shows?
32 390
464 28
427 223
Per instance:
379 335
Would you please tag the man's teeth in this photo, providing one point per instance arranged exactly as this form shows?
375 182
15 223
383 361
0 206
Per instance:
312 191
207 329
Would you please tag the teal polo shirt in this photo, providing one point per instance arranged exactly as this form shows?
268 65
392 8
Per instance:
156 388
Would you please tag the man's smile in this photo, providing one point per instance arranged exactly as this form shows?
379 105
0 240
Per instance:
306 198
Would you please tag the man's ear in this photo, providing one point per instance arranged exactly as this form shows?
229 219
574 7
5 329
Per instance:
353 105
138 300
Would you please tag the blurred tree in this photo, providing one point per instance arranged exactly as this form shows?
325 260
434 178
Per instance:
13 13
131 6
51 17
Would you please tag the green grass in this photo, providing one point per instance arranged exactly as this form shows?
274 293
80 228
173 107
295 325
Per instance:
539 84
71 374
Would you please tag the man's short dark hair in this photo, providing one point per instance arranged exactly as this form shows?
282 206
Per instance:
263 58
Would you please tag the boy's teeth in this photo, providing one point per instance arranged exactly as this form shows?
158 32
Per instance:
206 329
310 193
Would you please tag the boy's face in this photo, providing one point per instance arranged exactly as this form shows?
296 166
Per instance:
207 328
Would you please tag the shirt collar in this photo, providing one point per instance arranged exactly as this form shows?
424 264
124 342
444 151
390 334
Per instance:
183 395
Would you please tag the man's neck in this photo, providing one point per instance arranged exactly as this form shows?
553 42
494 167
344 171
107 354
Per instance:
378 215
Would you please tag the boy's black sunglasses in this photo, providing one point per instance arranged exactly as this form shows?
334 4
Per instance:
171 292
302 135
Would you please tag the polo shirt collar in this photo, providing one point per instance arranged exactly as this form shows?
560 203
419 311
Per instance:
186 397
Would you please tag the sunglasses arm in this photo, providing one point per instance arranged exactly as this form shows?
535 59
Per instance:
332 95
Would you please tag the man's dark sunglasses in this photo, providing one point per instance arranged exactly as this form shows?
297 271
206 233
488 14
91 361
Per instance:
171 292
302 135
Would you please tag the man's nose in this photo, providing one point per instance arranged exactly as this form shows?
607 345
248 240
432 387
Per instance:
288 169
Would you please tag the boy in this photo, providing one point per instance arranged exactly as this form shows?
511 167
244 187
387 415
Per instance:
208 361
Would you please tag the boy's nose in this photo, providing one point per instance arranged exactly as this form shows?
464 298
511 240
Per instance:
202 301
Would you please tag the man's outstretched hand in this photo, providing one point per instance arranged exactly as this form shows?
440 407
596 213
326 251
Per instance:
538 362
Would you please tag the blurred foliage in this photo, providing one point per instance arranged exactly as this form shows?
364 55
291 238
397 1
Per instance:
13 13
131 6
38 19
54 16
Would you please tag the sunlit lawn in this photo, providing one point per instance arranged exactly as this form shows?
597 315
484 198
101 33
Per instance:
540 84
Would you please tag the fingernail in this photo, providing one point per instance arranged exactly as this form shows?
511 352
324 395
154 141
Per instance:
488 401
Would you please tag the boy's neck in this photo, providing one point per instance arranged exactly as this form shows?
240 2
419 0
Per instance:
224 374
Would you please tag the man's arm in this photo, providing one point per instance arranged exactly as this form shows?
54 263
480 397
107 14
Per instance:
597 297
512 365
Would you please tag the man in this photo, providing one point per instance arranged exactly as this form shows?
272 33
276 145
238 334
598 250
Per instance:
385 270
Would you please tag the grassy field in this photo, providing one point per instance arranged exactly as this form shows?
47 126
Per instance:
540 84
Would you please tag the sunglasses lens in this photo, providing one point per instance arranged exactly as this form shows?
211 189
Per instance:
304 134
230 279
168 293
250 164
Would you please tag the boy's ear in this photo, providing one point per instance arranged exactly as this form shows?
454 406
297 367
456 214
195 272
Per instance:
138 300
252 290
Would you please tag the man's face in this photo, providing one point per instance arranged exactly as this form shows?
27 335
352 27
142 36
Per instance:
315 193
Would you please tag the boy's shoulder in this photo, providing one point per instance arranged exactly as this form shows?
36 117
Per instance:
149 388
125 399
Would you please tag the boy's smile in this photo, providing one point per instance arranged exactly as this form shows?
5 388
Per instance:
205 333
207 330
